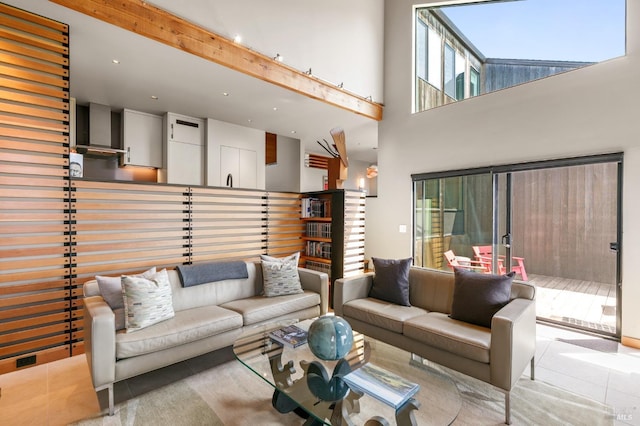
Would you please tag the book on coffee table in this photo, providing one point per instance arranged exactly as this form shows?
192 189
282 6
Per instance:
382 384
291 336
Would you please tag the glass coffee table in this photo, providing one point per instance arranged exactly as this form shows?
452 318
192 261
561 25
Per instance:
306 385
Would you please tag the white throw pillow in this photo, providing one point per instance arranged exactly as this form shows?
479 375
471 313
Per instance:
147 301
280 275
111 292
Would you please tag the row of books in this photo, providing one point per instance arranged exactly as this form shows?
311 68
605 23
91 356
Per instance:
318 249
318 266
316 207
318 229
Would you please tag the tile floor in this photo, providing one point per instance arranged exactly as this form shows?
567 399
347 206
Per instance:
60 392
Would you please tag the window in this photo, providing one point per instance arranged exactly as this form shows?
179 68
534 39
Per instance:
474 82
435 59
461 65
449 71
421 49
464 50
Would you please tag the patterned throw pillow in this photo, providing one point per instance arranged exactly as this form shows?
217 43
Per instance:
280 275
111 291
147 301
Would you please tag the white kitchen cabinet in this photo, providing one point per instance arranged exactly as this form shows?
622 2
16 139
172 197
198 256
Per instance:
238 167
184 150
185 163
142 139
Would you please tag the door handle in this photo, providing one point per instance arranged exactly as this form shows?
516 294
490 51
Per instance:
614 246
230 180
506 240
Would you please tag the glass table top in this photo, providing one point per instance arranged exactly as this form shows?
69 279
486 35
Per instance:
302 380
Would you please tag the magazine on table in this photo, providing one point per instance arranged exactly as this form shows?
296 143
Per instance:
382 384
291 335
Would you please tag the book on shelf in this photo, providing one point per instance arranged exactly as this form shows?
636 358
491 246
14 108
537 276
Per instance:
382 384
291 336
315 207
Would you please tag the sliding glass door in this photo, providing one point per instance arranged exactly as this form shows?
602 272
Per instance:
556 224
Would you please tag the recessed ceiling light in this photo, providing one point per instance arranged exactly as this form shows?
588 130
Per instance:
249 120
225 93
115 61
154 97
275 108
293 132
237 38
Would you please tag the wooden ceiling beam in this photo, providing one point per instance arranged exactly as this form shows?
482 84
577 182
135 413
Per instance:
164 27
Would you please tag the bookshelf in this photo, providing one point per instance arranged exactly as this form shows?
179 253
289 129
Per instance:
334 232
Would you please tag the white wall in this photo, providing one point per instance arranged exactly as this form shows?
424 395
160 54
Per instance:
284 176
588 111
220 133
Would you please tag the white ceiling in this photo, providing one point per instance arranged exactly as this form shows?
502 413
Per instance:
189 85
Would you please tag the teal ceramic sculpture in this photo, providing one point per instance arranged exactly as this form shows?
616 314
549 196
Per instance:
330 337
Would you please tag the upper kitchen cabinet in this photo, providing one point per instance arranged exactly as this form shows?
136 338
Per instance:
184 151
142 139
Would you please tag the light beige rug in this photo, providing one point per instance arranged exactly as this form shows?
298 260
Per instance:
229 394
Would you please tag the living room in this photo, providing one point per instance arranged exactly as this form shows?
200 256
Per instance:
559 105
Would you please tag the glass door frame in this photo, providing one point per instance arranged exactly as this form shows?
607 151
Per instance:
497 240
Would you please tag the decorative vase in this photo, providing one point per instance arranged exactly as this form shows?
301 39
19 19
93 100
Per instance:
330 337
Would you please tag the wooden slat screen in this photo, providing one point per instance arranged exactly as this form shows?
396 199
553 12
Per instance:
35 264
317 161
284 225
354 221
227 224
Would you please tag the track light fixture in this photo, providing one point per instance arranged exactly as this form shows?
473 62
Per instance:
278 57
308 72
341 85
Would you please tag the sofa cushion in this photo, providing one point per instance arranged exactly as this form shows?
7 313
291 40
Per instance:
477 297
391 280
147 301
280 275
259 309
438 330
380 313
214 293
111 292
186 326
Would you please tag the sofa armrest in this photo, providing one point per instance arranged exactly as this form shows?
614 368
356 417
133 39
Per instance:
318 282
346 289
513 342
100 340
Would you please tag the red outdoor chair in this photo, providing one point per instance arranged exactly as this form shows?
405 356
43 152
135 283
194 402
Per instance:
472 265
484 254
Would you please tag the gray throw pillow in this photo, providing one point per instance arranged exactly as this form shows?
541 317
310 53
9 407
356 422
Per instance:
477 297
391 280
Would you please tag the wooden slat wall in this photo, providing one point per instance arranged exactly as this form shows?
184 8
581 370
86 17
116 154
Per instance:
354 229
284 225
34 190
227 224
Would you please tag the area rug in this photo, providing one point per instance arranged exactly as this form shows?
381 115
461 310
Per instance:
229 394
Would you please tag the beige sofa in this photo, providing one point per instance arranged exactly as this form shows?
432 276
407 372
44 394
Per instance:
208 317
496 355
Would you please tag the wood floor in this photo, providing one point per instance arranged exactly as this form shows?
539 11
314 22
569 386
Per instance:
576 302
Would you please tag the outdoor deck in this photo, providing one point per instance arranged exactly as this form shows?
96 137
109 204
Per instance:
576 302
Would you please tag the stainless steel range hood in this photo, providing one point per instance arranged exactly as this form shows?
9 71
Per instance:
99 132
